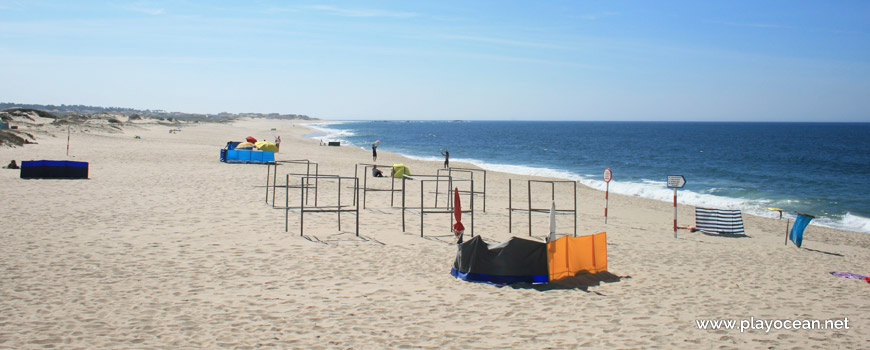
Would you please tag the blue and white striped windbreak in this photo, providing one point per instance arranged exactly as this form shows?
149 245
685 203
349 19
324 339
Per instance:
719 221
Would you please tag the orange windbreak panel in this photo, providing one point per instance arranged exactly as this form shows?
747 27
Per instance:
569 256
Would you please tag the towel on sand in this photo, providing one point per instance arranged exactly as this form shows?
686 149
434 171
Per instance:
852 275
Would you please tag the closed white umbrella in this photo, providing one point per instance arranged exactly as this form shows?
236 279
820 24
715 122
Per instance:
552 236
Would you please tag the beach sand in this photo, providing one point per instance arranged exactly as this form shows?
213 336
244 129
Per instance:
165 247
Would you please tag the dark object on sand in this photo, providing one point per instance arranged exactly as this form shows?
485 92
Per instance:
53 169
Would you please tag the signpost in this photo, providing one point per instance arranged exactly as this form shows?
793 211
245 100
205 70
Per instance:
675 182
608 175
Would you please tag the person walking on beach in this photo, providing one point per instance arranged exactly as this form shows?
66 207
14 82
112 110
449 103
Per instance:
375 150
446 155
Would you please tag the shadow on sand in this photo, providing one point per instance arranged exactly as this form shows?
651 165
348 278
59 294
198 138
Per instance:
581 282
823 252
726 235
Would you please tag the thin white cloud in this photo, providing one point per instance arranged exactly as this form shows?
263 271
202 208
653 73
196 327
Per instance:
754 25
596 16
12 5
157 60
503 41
281 10
362 12
142 7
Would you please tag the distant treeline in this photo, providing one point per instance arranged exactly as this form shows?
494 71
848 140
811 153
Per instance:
84 110
81 109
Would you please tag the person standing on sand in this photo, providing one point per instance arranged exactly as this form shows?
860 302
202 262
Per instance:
446 155
375 151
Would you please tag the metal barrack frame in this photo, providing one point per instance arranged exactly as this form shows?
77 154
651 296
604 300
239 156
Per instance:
338 208
435 210
274 176
365 188
552 183
469 171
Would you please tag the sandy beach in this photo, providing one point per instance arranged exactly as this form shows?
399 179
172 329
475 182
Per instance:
165 247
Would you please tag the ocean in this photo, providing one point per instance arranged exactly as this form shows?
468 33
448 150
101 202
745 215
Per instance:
818 168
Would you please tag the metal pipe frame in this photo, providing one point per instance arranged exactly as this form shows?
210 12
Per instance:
338 208
435 210
470 171
531 210
365 187
303 186
274 186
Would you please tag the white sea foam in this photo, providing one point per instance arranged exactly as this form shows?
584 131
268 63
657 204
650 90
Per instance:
330 133
427 158
848 222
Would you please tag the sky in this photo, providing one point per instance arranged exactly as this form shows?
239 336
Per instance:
474 60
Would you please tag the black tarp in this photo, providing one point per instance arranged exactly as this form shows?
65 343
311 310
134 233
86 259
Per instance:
516 260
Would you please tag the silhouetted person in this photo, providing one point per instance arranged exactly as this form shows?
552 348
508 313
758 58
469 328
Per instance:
446 155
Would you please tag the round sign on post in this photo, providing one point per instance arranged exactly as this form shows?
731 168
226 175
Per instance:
608 175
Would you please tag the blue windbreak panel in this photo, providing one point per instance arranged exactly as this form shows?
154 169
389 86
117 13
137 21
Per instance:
53 169
797 231
28 163
245 156
496 279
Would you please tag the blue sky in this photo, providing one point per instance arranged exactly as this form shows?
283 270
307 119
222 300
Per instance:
503 60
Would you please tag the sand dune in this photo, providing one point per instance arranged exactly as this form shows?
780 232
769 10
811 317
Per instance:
165 247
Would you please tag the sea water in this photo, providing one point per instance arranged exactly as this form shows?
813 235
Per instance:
818 168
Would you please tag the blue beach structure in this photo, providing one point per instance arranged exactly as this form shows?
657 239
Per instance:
53 169
797 231
230 154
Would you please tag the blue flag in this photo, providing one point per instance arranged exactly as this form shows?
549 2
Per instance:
797 231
